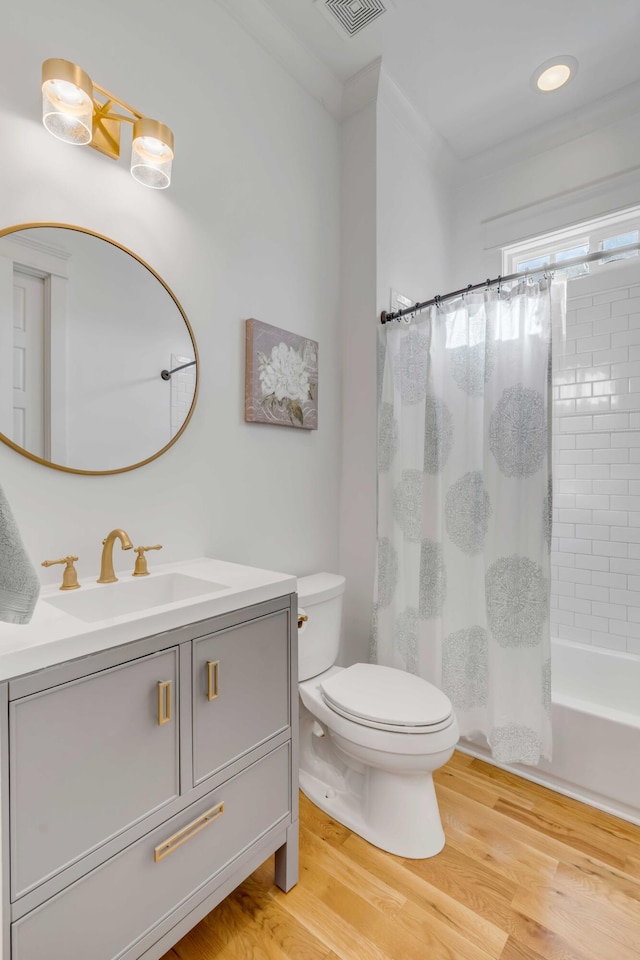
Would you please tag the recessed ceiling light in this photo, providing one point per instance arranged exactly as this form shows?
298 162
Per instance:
553 74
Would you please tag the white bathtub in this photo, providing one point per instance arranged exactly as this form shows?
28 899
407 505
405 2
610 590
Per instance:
596 729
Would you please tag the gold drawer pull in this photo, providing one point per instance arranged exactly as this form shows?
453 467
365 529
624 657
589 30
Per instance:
213 676
164 702
302 618
164 849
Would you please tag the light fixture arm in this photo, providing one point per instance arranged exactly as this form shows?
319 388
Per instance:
106 122
111 98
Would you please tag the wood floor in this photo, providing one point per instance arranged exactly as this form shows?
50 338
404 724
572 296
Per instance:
526 874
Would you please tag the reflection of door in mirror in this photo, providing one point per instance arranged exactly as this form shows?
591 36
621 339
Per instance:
33 295
30 406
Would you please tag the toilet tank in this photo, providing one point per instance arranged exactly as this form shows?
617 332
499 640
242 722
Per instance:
320 598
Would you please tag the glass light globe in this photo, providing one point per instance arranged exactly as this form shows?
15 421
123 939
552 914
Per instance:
151 153
67 103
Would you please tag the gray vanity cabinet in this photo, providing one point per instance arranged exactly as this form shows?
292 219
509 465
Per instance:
240 691
89 759
143 783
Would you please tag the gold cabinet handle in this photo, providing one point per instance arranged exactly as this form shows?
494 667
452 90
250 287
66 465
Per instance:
213 677
164 702
302 618
164 849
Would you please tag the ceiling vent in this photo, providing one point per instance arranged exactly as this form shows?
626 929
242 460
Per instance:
351 16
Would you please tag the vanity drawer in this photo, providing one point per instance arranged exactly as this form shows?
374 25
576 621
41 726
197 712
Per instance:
88 759
241 690
110 909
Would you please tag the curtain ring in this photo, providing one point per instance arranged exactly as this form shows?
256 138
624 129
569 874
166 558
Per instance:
437 300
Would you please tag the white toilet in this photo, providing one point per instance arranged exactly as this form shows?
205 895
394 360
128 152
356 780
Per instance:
370 736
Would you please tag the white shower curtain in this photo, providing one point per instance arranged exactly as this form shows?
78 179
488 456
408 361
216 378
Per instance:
464 509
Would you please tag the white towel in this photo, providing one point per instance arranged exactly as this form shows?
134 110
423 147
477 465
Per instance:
19 582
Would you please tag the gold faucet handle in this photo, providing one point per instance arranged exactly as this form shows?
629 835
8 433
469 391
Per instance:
69 576
140 569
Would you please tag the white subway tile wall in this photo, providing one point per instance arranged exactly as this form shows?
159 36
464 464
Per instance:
595 550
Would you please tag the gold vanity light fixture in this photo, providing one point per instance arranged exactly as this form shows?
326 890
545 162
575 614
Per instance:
79 111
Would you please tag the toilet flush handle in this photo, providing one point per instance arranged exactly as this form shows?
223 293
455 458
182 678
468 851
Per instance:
302 618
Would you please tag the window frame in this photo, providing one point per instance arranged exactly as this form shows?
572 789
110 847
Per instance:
590 233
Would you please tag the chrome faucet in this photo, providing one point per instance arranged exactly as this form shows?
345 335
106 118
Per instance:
107 574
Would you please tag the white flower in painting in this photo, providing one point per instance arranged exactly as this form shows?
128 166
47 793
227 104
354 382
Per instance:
284 375
310 355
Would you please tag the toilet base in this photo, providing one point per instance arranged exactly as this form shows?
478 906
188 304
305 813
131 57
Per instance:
396 813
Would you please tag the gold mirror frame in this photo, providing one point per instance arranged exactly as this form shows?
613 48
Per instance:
101 473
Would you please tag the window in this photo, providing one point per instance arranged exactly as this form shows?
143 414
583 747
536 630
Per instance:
620 241
551 250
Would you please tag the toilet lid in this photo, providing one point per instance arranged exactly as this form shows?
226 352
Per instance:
385 697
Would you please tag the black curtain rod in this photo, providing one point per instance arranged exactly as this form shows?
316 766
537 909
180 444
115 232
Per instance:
166 374
575 262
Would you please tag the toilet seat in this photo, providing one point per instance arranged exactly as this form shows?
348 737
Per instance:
387 699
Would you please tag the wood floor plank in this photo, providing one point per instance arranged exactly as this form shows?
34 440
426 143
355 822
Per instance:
632 866
264 912
468 786
595 929
357 878
465 780
528 829
427 898
341 935
460 760
478 887
249 939
488 774
200 944
439 938
525 875
496 848
514 950
557 805
541 942
399 939
590 840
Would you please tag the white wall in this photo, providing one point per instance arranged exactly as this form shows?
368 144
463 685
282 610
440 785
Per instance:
497 203
249 227
358 319
414 202
395 235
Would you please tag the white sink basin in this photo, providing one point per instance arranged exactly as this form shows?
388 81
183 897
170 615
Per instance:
121 598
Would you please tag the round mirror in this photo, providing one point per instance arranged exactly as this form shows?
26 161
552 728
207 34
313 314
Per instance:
98 362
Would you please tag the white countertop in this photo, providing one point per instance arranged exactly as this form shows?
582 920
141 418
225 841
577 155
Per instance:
54 636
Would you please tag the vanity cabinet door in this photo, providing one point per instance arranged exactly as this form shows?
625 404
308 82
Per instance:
240 690
88 759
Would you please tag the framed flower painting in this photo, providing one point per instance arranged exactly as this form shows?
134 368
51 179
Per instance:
281 384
